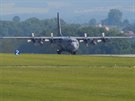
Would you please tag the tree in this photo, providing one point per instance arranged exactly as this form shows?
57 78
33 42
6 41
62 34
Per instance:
92 22
130 27
126 22
47 26
114 18
16 19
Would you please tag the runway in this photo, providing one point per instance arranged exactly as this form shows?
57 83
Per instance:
115 55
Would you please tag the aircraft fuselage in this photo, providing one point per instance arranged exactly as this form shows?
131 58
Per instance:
67 44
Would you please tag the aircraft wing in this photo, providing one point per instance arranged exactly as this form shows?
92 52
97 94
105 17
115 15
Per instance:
103 38
78 38
15 37
119 37
108 37
25 37
85 39
34 39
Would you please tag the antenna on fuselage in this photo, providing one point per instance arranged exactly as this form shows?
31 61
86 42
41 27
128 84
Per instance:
59 25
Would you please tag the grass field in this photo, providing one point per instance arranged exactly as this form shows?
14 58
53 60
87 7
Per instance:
66 78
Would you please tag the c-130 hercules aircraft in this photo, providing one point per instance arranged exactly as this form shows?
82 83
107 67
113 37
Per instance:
68 44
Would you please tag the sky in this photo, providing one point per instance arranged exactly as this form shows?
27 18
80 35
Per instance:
70 10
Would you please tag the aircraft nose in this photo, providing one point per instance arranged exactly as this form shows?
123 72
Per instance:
75 45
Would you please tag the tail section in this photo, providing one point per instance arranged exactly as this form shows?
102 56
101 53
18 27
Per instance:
59 25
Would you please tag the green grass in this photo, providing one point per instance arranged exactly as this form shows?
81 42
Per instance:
64 60
66 78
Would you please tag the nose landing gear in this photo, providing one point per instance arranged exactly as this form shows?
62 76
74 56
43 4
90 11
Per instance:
73 53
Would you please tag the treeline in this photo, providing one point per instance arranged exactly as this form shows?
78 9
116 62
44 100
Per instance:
16 27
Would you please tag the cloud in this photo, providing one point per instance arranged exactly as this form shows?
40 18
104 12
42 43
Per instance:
11 8
130 9
44 6
91 10
7 8
104 9
57 5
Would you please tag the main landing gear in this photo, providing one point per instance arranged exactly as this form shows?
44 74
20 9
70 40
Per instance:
73 53
59 51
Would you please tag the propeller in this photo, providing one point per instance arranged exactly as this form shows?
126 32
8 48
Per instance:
86 40
41 41
51 35
32 39
103 35
85 35
35 41
33 35
94 41
51 38
103 38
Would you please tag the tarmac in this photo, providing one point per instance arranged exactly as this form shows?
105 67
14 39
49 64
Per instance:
115 55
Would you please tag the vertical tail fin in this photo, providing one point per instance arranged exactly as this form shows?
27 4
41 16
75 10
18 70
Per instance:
59 25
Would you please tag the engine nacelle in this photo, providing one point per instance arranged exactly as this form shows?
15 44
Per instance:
94 42
51 41
86 41
35 41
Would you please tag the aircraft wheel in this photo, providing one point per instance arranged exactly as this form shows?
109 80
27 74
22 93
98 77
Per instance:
74 53
59 51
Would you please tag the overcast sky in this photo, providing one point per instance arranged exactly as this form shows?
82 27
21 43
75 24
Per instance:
67 8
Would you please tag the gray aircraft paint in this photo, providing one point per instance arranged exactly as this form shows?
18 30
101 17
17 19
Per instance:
67 44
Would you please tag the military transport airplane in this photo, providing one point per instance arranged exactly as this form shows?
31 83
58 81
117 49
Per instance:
68 44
